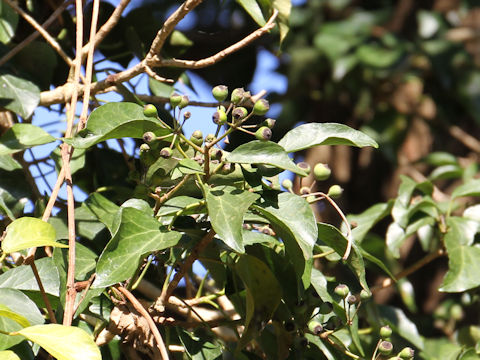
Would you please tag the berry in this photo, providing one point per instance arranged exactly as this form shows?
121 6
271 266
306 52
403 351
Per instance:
210 138
304 166
219 117
335 191
166 152
150 110
175 99
321 172
304 190
187 115
315 327
263 134
184 102
146 156
220 92
261 107
197 138
239 113
385 348
407 353
342 290
237 96
385 332
351 299
456 312
270 123
215 154
365 295
149 136
287 184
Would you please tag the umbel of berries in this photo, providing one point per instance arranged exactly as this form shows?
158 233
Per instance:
263 134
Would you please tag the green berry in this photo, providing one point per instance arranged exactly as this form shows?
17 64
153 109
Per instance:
365 295
184 102
239 114
261 107
352 299
304 190
215 154
150 110
210 138
270 123
287 184
315 327
342 290
146 156
197 138
220 92
321 172
456 312
304 166
407 353
385 332
325 308
166 152
219 117
175 99
385 348
197 134
237 95
335 191
263 134
149 136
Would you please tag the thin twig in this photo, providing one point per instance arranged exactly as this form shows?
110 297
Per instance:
166 293
53 43
151 99
197 64
34 35
157 77
43 293
153 328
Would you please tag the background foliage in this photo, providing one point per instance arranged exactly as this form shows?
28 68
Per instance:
405 73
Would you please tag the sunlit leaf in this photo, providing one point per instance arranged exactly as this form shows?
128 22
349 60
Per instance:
18 95
19 319
254 10
8 23
23 136
29 232
8 355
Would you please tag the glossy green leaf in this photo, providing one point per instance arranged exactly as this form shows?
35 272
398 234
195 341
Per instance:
441 349
284 8
180 203
264 292
257 237
227 206
21 277
29 232
401 325
198 348
138 234
319 282
77 162
401 207
377 56
446 172
332 237
366 220
23 136
26 310
19 319
115 121
396 235
103 209
8 163
463 259
8 22
4 209
18 95
471 188
254 10
185 167
8 355
313 134
260 152
63 342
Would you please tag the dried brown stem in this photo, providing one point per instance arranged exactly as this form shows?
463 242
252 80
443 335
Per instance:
43 293
53 43
197 64
36 34
166 293
153 328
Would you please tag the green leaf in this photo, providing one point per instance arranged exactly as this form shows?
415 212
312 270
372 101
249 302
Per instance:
8 163
26 310
377 56
366 220
115 121
227 206
401 325
138 234
29 232
198 348
8 22
441 349
63 342
319 282
18 95
260 152
471 188
263 291
185 167
21 277
105 210
313 134
332 237
19 319
284 8
256 237
463 259
77 162
8 355
23 136
254 10
179 203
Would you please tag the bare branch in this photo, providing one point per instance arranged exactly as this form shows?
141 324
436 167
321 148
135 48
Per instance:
154 75
197 64
169 26
35 35
53 43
